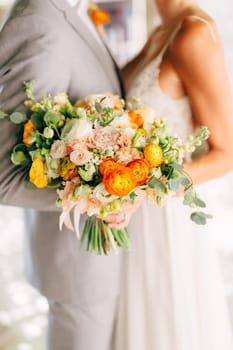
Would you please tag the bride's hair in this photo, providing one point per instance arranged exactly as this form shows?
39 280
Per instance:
161 37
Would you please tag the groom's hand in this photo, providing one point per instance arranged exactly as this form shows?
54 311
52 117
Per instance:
121 220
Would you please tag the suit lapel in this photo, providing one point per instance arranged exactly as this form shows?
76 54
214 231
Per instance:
97 47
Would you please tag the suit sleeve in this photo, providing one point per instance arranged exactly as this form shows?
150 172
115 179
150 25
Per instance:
29 50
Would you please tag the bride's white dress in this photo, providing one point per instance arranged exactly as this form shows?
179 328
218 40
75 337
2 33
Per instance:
172 296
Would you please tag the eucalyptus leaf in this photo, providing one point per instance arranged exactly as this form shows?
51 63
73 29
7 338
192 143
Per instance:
199 203
18 117
19 158
200 218
157 185
189 191
185 181
51 118
174 185
188 201
176 166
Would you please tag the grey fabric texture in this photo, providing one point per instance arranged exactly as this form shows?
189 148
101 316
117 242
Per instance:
69 326
45 41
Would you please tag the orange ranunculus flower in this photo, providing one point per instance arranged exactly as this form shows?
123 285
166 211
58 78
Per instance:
136 118
140 169
99 17
109 164
29 127
68 169
154 154
36 174
119 182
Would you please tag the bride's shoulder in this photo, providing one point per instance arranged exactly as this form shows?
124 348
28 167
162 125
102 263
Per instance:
196 35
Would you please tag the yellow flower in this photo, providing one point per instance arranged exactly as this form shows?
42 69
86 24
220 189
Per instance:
68 169
29 127
37 175
154 154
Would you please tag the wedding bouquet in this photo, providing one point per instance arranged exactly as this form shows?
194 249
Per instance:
99 153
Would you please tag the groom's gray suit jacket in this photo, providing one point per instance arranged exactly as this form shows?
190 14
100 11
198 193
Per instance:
46 41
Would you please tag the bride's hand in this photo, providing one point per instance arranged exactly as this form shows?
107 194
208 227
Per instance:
121 220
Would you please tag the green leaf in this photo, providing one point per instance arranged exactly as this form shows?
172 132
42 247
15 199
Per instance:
103 98
51 118
189 192
20 147
55 183
200 218
185 181
3 115
189 201
199 203
98 107
19 158
176 166
18 117
157 185
38 120
132 197
174 185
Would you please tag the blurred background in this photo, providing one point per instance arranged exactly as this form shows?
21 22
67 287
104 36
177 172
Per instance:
22 310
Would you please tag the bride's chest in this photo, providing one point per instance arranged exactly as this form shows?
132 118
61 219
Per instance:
176 111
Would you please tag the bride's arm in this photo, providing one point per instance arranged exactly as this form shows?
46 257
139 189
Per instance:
198 58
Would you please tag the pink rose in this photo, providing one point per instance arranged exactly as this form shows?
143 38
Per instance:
123 140
75 145
80 156
104 138
126 154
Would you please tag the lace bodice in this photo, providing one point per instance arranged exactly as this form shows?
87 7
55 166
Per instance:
145 85
177 112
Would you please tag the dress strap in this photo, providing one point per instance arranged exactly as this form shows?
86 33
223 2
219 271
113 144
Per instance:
209 25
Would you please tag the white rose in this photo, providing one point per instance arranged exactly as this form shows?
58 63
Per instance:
102 195
76 129
80 156
121 122
58 149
